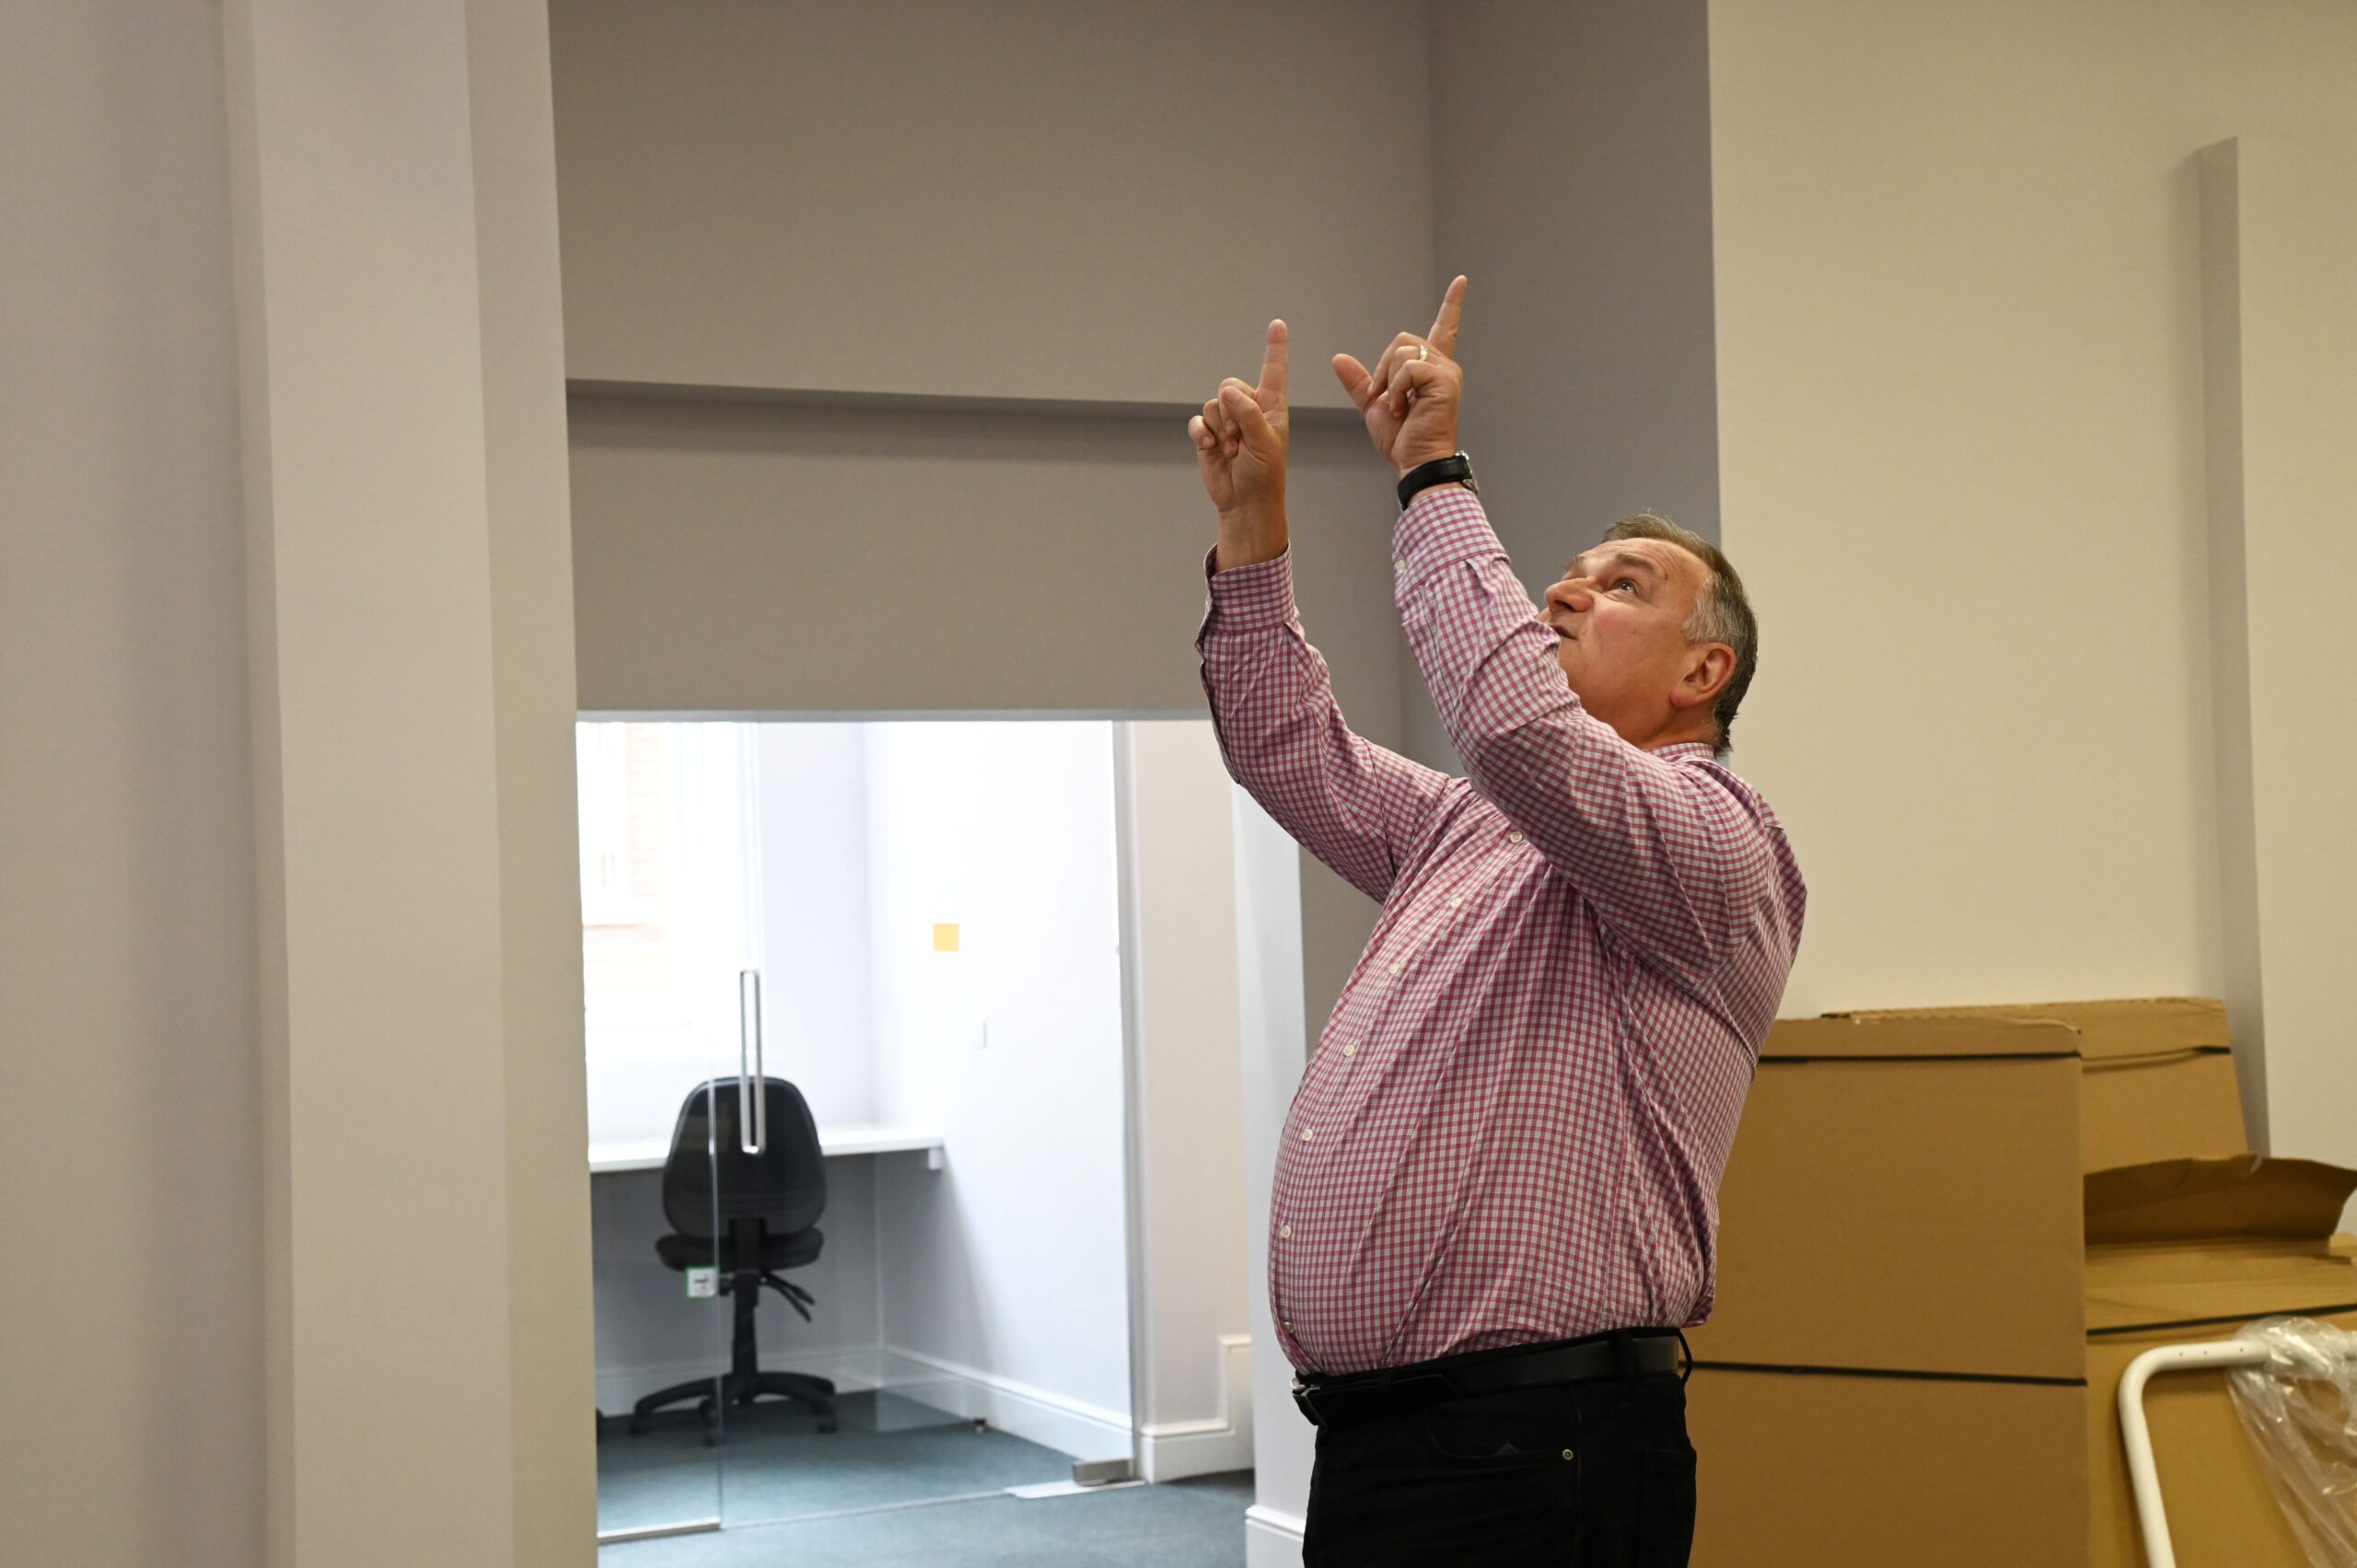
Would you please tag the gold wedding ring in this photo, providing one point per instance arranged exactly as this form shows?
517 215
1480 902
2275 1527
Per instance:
1421 351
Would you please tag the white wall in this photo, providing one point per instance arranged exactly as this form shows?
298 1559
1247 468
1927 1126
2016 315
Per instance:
816 999
129 1078
1197 1246
1011 1260
1962 466
1275 1007
662 1015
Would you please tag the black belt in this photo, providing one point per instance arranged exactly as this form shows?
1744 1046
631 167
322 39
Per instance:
1395 1390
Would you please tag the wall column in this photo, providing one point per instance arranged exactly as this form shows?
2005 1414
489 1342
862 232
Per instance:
2280 384
425 1206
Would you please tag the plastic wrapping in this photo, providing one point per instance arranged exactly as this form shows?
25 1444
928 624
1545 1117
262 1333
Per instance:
2300 1408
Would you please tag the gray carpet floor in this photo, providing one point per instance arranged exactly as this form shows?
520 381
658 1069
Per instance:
898 1483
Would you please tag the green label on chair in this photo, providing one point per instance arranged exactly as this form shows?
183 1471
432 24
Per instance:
702 1283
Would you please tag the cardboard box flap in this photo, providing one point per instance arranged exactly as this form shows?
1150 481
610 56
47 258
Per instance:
2216 1286
1853 1037
2142 1027
2216 1200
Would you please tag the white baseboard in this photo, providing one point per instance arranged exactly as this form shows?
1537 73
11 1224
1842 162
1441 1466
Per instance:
1053 1421
1069 1427
1174 1450
1271 1540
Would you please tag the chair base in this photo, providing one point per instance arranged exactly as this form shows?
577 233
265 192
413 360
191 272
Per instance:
739 1388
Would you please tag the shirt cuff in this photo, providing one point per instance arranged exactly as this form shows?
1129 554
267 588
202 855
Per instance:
1444 525
1247 599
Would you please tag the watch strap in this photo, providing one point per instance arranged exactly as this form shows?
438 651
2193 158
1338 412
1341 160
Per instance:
1455 468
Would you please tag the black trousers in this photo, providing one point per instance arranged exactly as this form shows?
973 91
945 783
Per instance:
1596 1474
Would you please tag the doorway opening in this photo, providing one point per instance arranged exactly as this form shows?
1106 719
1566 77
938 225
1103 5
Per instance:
951 958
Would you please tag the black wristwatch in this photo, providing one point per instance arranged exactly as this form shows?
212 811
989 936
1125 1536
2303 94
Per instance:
1455 468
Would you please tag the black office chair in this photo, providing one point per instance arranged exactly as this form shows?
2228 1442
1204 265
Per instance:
768 1209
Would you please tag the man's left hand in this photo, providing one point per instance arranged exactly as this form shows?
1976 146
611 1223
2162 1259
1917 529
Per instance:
1411 398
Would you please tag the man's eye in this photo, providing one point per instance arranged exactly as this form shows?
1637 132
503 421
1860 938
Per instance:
1628 583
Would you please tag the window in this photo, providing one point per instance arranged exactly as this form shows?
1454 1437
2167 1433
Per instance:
668 912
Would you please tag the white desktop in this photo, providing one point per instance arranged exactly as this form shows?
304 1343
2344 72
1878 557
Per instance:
835 1141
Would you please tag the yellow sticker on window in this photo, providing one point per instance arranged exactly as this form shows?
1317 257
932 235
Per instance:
945 938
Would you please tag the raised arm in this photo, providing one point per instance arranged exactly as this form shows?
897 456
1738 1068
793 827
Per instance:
1669 850
1666 848
1355 805
1351 803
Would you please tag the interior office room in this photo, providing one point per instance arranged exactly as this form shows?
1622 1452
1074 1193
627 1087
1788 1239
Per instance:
441 439
991 1306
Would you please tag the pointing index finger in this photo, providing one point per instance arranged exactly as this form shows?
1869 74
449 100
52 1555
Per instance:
1452 309
1274 367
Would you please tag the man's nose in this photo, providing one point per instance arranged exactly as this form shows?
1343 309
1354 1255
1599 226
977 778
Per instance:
1573 594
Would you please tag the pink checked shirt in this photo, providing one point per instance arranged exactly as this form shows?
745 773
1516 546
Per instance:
1516 1121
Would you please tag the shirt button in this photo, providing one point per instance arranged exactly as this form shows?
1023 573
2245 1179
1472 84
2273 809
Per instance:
1456 901
1284 1230
1286 1324
1350 1051
1515 838
1310 1136
1395 968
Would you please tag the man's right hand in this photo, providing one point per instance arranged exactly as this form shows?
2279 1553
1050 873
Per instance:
1241 438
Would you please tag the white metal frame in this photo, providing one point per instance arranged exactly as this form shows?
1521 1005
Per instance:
2223 1355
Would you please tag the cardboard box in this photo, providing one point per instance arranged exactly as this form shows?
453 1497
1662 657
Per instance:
1822 1470
1927 1293
2157 1074
2180 1252
1903 1196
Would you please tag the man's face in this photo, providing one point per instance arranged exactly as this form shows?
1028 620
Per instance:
1619 616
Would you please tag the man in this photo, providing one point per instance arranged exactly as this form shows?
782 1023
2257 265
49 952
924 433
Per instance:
1496 1197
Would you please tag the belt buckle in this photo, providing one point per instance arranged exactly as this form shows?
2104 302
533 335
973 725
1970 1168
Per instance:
1302 1399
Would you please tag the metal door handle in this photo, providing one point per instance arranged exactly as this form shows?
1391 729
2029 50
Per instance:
752 1108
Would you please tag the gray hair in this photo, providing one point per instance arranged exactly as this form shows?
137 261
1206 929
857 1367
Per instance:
1722 613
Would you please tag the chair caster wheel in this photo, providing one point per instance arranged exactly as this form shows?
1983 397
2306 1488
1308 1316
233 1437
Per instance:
828 1423
982 1424
637 1425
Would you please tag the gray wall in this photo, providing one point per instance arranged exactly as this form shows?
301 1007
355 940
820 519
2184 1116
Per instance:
1571 185
769 557
130 1220
1053 198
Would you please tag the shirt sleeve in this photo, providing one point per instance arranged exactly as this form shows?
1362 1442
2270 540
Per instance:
1670 856
1352 804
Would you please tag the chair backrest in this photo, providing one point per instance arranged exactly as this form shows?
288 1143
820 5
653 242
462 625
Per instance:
784 1186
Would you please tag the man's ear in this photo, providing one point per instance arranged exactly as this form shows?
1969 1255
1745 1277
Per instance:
1709 668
